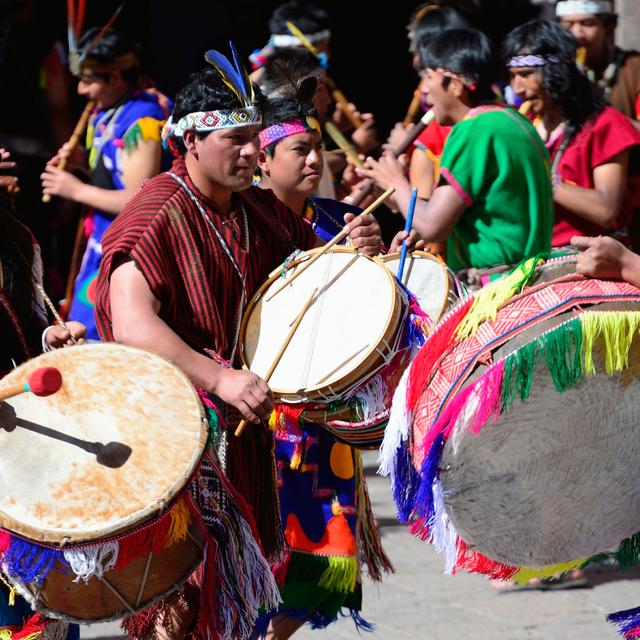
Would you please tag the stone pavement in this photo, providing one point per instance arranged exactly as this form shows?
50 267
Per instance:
419 603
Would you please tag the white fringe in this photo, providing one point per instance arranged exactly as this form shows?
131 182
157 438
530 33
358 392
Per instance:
55 630
371 398
443 535
96 560
397 430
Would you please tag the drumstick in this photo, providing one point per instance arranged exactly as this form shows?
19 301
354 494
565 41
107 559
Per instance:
412 134
337 95
56 315
407 228
41 382
74 140
283 348
336 135
338 238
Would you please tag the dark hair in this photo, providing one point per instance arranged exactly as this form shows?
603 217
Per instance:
286 68
308 17
431 21
563 82
468 53
206 91
278 110
109 47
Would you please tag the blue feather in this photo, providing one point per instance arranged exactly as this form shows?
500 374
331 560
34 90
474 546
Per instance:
242 72
229 74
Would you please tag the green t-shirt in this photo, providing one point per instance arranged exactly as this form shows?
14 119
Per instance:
497 163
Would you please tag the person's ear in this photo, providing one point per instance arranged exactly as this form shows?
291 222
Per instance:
264 163
457 88
115 77
189 140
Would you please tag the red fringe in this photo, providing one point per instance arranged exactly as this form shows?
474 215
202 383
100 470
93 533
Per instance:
152 537
5 541
475 562
435 346
35 624
281 569
207 579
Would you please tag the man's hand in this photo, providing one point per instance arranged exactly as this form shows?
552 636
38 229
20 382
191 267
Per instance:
74 157
56 182
387 172
246 391
604 257
365 137
364 233
58 337
414 241
7 182
396 137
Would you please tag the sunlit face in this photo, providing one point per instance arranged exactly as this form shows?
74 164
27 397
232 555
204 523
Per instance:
296 165
436 90
228 157
526 83
589 30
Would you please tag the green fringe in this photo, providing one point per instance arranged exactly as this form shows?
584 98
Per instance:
214 427
628 554
563 353
143 129
341 575
518 375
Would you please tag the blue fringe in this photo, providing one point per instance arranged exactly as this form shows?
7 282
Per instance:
625 620
360 622
29 562
262 624
405 484
424 498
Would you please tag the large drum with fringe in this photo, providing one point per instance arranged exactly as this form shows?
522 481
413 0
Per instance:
93 521
514 440
346 357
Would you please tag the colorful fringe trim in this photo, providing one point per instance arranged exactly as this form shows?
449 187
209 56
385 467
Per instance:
627 622
36 627
143 129
567 352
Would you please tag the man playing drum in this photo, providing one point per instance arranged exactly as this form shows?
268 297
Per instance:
190 250
493 203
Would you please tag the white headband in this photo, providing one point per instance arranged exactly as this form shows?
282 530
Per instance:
578 7
286 40
212 120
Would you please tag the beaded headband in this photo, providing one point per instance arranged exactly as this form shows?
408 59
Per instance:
530 60
286 40
277 132
577 7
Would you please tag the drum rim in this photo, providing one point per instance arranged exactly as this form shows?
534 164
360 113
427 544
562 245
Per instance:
369 358
121 525
441 263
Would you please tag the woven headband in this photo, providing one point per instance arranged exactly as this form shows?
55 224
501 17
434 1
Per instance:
277 132
287 40
530 60
577 7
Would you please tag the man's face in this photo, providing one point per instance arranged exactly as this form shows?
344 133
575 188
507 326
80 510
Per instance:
96 88
228 157
297 164
436 89
526 83
589 30
322 97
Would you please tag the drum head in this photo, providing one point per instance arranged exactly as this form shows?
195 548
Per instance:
426 277
110 449
352 318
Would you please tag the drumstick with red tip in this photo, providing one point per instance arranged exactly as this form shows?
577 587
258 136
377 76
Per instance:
41 382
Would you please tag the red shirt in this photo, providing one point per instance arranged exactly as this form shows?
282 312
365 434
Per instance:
598 142
432 139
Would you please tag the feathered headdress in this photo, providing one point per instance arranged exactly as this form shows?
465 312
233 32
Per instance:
75 23
234 75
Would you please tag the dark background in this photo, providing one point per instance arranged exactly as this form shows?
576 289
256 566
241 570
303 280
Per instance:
369 43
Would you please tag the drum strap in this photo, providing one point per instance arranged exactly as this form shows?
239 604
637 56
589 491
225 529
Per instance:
227 250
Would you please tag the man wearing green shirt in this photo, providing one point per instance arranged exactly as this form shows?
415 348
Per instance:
493 200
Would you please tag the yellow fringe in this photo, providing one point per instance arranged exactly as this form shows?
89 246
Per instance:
150 128
5 634
523 575
340 575
273 420
618 328
12 592
180 520
489 299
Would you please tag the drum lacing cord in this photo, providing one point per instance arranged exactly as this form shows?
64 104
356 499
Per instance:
316 322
